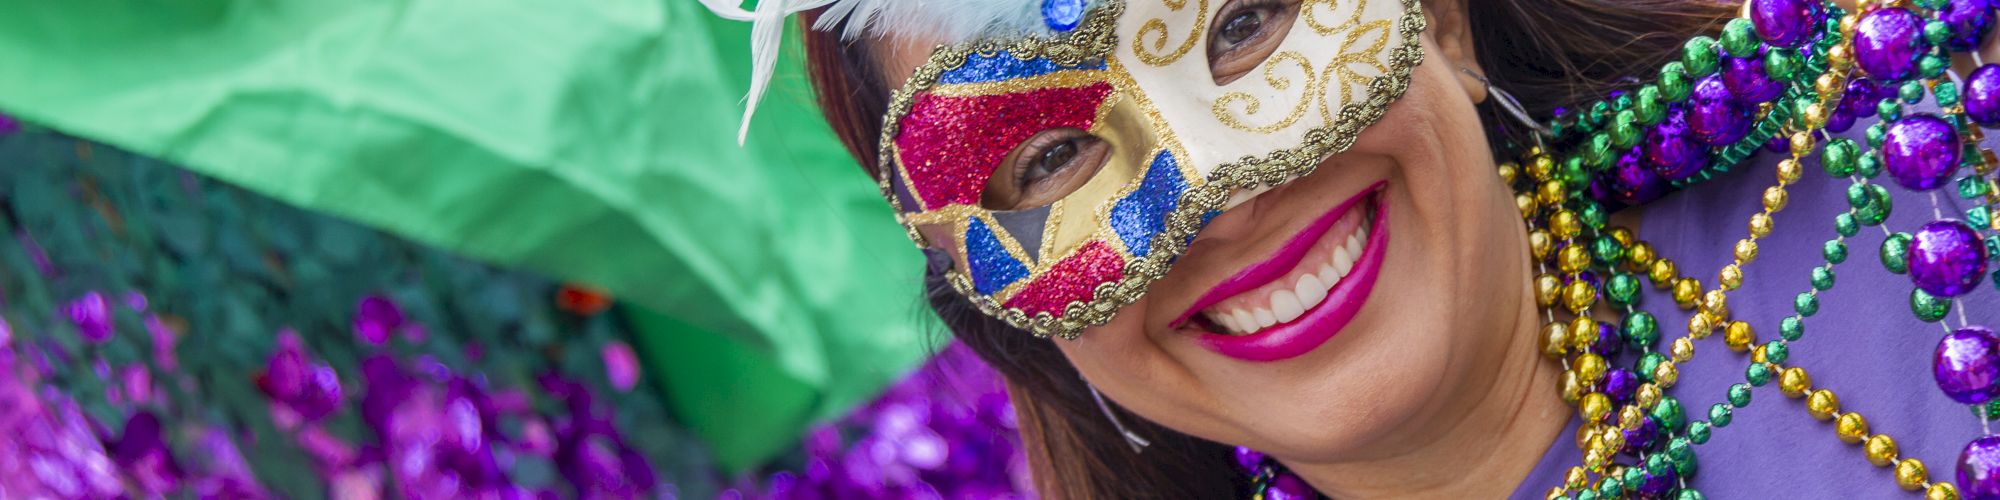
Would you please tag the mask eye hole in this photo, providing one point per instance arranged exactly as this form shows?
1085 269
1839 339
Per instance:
1245 33
1045 168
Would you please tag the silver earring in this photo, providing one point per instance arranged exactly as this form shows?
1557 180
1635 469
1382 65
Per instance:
1511 105
1138 444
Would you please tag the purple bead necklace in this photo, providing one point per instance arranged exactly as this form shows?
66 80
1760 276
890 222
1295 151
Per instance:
1784 75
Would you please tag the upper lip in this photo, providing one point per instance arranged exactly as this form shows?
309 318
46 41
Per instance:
1279 263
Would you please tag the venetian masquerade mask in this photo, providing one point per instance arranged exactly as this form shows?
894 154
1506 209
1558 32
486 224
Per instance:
1060 168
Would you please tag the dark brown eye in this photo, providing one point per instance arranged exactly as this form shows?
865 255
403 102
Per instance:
1052 161
1045 168
1246 32
1242 26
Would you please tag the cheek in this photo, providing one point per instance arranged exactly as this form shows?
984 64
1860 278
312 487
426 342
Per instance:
1466 237
1135 371
1434 136
1454 201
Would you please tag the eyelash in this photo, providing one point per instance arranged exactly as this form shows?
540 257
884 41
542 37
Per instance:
1254 5
1257 4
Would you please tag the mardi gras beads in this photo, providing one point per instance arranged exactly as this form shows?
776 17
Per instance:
1791 69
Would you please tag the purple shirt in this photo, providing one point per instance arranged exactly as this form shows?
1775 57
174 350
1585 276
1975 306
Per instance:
1864 343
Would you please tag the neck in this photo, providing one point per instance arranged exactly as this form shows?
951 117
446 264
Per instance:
1481 440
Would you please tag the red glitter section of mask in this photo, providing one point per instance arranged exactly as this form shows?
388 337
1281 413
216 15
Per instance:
950 145
1073 279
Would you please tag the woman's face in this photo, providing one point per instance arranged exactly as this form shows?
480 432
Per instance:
1378 291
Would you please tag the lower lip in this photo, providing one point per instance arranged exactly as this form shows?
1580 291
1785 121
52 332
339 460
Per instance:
1323 321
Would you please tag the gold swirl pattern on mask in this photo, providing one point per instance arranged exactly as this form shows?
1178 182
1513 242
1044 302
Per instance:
1341 71
1338 73
1252 106
1157 29
1311 12
1095 40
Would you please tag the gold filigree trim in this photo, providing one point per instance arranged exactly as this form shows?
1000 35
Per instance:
950 214
1340 71
1056 80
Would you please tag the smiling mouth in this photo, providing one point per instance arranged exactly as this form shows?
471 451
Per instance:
1330 259
1301 295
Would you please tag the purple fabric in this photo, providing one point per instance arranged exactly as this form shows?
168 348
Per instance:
1864 343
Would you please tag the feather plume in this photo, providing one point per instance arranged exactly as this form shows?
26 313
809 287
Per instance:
952 21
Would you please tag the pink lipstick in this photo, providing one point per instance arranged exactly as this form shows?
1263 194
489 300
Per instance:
1304 293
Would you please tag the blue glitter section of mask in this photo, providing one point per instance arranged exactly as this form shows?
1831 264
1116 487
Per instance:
1143 213
1000 66
1062 15
992 267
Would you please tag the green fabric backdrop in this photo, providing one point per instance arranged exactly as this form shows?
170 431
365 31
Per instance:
590 140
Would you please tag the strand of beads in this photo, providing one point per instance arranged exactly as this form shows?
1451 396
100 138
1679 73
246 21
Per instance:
1588 383
1980 94
1948 269
1945 258
1637 429
1268 480
1716 116
1892 55
1795 382
1709 117
1558 223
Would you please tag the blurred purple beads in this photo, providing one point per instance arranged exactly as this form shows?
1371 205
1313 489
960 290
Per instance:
92 316
1969 20
376 317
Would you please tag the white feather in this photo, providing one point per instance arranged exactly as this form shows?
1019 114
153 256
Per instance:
951 21
767 32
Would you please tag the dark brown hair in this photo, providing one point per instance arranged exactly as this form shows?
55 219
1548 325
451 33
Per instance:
1556 52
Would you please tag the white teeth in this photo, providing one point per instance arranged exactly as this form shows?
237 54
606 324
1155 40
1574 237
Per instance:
1310 291
1309 286
1343 261
1285 305
1264 318
1328 275
1244 322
